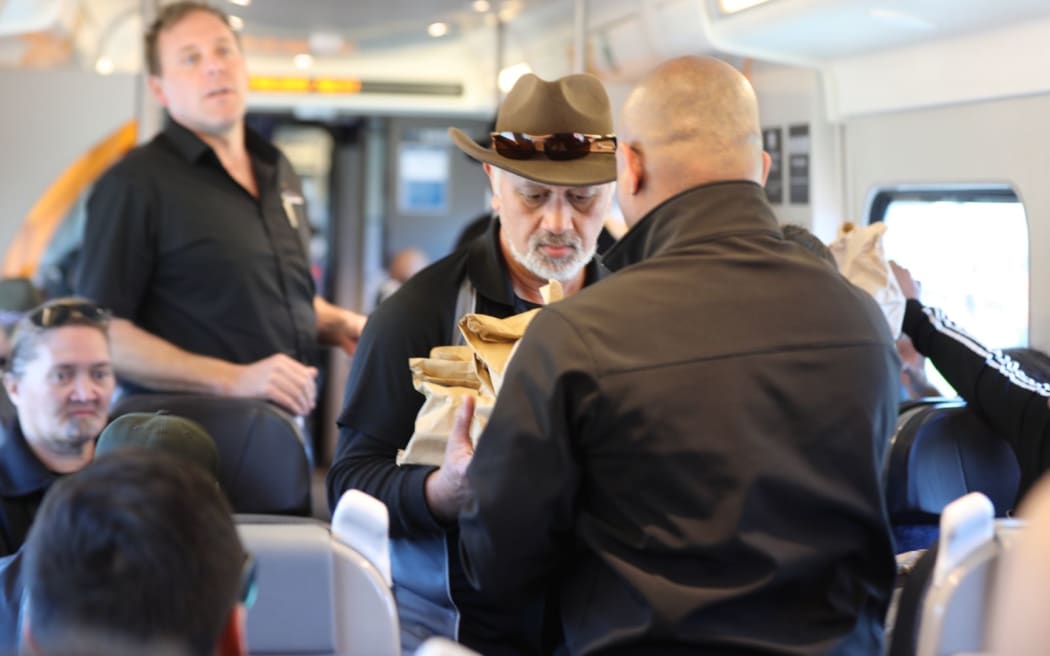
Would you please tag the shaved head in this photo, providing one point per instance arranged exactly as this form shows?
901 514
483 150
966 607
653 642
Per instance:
692 121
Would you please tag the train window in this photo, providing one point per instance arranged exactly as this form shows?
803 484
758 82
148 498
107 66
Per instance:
968 248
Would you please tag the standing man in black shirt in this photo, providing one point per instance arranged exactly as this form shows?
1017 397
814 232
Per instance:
60 380
198 239
550 168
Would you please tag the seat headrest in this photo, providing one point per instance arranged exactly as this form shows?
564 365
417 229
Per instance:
942 452
293 612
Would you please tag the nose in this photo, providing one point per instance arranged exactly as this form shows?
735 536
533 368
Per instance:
214 63
84 388
558 218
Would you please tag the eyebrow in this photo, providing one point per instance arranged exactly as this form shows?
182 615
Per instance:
220 40
89 365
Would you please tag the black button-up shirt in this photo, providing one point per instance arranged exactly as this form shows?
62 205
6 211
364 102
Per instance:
177 246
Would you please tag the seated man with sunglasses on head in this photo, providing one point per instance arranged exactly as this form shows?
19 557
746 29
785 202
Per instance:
551 169
138 553
60 379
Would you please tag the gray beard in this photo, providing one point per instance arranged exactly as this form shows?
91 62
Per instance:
546 268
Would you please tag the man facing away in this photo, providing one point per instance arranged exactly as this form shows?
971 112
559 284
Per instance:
60 380
198 239
690 451
550 167
137 550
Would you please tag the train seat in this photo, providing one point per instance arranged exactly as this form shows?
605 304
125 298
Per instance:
944 607
938 453
263 463
315 594
438 646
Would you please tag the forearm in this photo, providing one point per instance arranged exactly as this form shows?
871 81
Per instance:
148 360
959 357
365 463
336 324
992 384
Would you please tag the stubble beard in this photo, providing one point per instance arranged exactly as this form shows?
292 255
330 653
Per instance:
76 433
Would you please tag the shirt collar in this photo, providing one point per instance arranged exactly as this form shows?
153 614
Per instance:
21 472
703 213
192 147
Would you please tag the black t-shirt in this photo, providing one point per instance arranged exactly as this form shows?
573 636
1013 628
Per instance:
178 247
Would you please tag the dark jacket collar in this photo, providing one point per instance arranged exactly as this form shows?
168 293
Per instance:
488 270
192 148
21 472
696 215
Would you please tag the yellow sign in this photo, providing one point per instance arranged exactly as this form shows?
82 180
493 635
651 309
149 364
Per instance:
304 85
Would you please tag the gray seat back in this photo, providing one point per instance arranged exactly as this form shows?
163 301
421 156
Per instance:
955 611
315 595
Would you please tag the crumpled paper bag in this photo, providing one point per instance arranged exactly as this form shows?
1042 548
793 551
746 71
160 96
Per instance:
444 378
860 257
453 372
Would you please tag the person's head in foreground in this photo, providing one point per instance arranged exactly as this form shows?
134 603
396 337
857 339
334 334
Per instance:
139 548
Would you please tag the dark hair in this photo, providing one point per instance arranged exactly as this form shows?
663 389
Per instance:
808 241
168 17
29 330
135 546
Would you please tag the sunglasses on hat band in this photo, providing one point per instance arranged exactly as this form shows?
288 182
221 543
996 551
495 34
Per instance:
559 146
61 313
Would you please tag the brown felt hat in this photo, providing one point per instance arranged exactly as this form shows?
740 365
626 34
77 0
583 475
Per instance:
574 103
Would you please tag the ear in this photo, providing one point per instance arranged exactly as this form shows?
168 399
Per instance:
630 170
234 640
157 90
767 162
493 184
11 386
28 643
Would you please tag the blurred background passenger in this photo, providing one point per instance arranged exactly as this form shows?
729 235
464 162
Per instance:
141 549
406 263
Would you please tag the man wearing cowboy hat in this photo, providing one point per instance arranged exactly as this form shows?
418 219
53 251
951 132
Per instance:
551 167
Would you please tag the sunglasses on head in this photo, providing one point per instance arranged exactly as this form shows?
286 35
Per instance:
59 314
559 146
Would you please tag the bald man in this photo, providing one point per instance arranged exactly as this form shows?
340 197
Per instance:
689 451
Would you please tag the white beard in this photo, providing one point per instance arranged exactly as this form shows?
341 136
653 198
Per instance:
560 268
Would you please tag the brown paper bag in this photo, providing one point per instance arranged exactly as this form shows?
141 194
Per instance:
449 374
453 372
